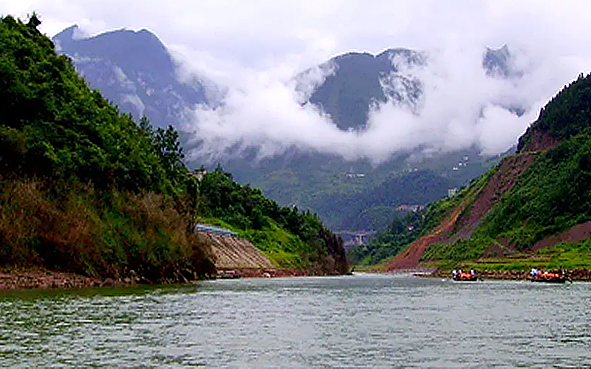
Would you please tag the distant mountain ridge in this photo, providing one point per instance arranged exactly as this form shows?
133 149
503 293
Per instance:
134 70
356 82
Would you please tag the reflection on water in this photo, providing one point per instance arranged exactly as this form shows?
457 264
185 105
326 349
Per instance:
370 321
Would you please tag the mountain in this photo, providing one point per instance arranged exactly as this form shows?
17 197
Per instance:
86 189
531 210
135 71
500 63
356 82
361 80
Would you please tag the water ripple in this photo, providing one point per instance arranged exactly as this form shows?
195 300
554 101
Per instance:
342 322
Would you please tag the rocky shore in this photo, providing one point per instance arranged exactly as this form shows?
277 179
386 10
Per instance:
39 278
573 274
27 279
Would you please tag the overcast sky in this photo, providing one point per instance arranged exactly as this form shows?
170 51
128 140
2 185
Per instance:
255 47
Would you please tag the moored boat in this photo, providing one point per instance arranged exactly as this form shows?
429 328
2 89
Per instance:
548 276
464 276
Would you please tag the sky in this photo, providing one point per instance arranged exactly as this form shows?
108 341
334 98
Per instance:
253 49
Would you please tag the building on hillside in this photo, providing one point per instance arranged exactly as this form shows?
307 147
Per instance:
199 173
413 208
215 230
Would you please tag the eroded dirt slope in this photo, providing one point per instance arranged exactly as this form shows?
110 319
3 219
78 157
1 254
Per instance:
456 226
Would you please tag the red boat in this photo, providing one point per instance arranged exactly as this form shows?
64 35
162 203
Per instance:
548 276
464 276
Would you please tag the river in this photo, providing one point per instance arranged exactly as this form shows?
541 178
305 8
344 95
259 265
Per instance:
361 321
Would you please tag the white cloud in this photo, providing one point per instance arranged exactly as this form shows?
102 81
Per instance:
254 48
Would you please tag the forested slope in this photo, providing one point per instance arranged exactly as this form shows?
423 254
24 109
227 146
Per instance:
87 189
532 210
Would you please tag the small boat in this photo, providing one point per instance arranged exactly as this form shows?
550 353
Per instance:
464 276
548 276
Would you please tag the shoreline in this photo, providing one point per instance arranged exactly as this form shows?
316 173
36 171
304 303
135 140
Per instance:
580 275
38 278
23 279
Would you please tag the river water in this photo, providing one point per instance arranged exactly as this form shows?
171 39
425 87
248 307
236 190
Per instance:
361 321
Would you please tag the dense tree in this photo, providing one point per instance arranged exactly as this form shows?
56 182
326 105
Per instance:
86 189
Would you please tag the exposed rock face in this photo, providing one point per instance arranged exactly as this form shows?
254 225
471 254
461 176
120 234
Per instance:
135 71
236 253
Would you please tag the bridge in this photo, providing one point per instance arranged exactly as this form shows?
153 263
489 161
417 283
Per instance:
355 238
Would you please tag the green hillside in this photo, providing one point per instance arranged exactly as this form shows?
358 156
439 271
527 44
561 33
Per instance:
531 210
86 189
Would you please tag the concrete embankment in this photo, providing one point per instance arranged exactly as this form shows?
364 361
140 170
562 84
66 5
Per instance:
236 253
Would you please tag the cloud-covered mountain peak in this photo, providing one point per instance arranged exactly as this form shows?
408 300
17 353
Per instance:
134 70
357 81
500 63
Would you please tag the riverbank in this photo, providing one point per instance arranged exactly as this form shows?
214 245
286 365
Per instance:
21 279
573 274
40 278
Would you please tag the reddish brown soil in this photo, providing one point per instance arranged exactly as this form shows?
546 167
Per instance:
411 256
539 141
577 233
501 182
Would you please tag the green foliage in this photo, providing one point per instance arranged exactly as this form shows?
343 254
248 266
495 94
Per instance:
274 229
53 125
569 255
460 251
561 256
86 189
356 210
552 196
567 114
397 236
109 234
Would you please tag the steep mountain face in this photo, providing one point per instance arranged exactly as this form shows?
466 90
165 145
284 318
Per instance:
361 80
133 70
527 206
356 82
500 63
